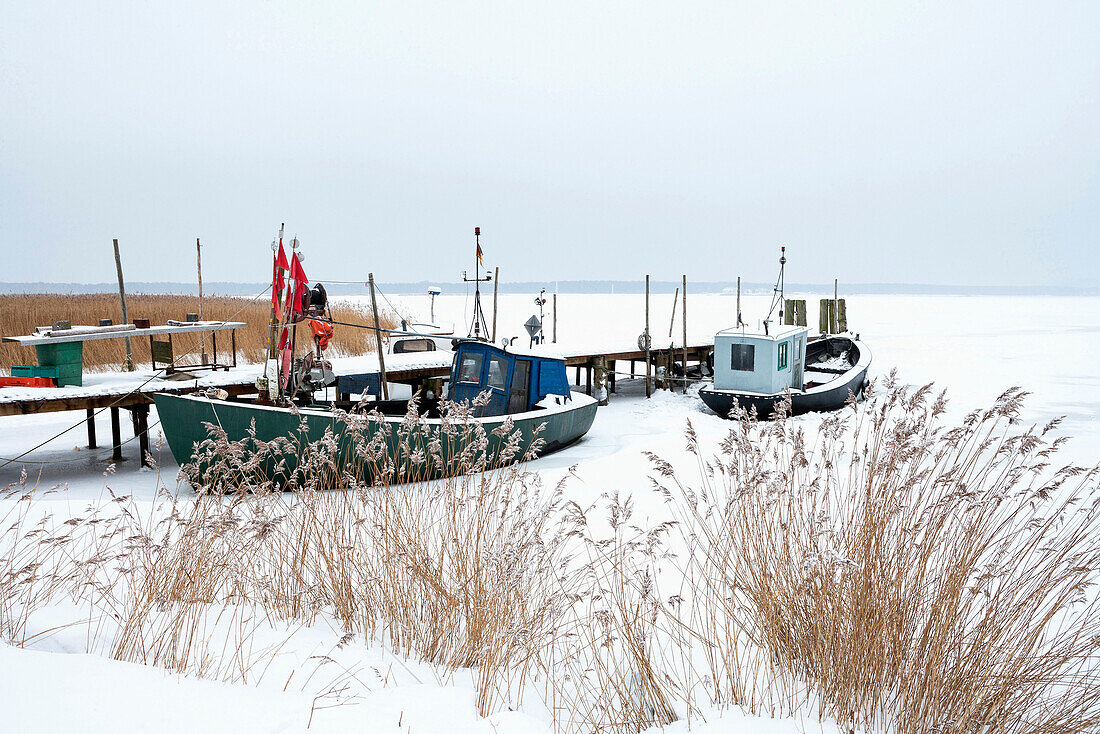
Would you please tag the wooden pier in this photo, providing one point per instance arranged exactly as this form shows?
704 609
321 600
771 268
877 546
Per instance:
591 365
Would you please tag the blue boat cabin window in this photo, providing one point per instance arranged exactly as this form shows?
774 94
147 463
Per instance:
743 357
470 369
498 372
782 356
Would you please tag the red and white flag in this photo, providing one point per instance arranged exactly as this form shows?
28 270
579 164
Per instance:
277 280
298 275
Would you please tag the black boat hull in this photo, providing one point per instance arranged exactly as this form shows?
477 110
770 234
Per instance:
830 396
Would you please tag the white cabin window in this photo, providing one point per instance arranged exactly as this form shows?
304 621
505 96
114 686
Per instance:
743 357
782 357
413 345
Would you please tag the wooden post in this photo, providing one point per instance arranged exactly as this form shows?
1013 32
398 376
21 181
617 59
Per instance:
684 315
378 338
141 412
125 318
835 310
198 260
91 428
496 279
788 312
601 380
800 312
738 316
555 339
827 318
611 375
648 366
841 316
116 436
672 321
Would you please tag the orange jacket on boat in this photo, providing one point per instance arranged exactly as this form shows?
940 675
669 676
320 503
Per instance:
322 332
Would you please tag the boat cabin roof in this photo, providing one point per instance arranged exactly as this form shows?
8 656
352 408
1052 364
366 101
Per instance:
516 383
779 333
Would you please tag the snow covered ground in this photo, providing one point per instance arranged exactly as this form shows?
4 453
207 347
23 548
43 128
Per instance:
974 346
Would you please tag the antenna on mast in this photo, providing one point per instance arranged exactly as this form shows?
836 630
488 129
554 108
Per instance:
777 292
479 322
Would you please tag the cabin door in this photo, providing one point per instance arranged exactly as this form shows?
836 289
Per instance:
521 378
799 358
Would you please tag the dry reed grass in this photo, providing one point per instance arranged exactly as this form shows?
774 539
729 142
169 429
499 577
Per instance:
20 314
899 574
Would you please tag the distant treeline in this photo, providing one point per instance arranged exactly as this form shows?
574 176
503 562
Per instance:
568 286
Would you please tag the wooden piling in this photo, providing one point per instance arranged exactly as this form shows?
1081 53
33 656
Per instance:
116 436
601 380
141 414
841 316
496 280
91 428
835 324
825 319
648 366
378 338
738 315
794 312
555 338
198 262
125 318
684 315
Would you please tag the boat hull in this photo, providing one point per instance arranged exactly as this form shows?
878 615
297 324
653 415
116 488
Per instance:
184 420
723 401
832 395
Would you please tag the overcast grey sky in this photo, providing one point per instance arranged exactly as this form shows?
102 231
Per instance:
947 143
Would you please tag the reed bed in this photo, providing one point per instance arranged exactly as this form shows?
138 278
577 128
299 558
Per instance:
891 572
22 313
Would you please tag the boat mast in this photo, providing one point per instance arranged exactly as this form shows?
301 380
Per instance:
479 314
777 292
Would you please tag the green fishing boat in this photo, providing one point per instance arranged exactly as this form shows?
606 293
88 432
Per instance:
501 407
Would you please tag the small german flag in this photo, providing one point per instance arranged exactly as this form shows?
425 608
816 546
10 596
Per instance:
479 257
